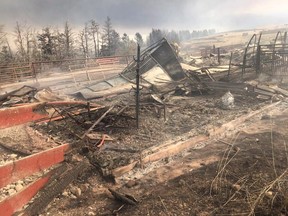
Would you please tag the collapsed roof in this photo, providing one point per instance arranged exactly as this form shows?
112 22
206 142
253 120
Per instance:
158 60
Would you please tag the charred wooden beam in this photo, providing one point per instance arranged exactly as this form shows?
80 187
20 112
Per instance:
14 203
53 188
125 198
97 122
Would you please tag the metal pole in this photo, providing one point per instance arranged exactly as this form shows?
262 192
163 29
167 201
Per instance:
137 85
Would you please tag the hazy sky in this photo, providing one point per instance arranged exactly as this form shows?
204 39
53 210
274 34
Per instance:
141 15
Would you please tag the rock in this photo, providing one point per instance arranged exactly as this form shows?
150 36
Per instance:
76 191
131 183
11 186
11 192
73 196
269 194
84 187
8 161
20 182
236 187
18 187
12 156
28 180
4 189
76 158
2 196
65 193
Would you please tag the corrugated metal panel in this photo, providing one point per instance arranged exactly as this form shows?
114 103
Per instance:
159 54
165 56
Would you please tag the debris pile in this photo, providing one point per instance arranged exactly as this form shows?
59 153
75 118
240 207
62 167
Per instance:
92 132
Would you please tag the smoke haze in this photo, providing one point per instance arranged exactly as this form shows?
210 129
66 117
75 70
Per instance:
141 16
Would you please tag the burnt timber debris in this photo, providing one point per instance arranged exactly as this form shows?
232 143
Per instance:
92 129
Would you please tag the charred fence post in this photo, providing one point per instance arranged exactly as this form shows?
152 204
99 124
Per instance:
218 54
230 62
244 63
258 59
89 110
